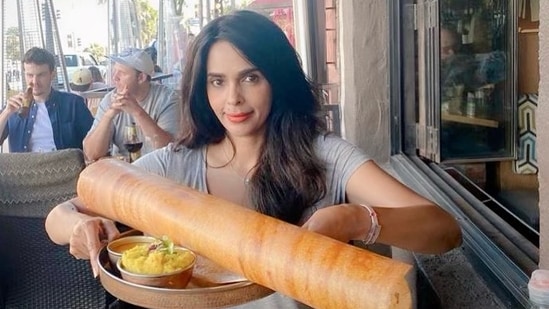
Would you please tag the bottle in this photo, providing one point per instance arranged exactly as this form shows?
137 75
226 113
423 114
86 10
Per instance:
480 103
470 106
538 289
132 132
133 142
27 100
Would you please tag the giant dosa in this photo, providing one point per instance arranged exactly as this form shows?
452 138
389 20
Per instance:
314 269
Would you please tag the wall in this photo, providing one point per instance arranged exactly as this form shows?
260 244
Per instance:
542 132
528 81
363 34
363 42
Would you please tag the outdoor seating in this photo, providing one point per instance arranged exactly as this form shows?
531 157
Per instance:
35 272
93 98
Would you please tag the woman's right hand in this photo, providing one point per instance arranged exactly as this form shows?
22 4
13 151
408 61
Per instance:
89 235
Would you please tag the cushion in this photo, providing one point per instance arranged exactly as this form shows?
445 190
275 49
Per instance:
526 162
32 183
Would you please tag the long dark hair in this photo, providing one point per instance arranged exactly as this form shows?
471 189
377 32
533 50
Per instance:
289 176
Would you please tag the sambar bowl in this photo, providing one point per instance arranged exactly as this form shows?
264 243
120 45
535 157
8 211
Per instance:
116 247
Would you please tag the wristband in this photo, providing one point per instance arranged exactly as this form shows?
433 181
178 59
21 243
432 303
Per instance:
375 228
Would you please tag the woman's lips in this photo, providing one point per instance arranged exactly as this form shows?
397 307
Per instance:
239 117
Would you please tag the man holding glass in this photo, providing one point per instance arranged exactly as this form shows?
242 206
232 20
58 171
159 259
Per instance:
152 107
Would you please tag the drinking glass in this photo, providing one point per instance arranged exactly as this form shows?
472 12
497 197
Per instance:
133 141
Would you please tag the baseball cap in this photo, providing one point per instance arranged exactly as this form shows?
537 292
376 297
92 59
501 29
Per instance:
137 59
81 77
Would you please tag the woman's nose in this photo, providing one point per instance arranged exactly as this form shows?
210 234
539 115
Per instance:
234 95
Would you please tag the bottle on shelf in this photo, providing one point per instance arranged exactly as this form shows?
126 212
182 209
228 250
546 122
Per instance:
480 104
470 107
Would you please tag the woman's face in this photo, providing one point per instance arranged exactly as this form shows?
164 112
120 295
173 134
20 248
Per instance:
238 93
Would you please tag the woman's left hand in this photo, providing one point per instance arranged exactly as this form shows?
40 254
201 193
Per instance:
343 222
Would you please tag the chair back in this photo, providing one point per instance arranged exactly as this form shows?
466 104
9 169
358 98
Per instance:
35 272
93 98
31 184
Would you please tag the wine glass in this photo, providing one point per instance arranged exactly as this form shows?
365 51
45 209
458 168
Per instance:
133 141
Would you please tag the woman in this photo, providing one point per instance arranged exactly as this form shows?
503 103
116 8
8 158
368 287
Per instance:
97 77
251 134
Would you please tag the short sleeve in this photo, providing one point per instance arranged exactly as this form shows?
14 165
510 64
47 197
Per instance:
341 159
169 116
155 162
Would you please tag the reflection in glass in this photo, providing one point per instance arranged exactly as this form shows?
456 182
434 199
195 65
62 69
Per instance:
474 79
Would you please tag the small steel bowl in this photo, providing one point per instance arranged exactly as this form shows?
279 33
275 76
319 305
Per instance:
117 246
173 280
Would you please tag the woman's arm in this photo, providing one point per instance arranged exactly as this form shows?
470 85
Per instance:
84 232
407 219
62 219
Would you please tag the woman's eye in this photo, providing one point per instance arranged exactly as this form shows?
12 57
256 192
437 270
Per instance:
251 78
216 82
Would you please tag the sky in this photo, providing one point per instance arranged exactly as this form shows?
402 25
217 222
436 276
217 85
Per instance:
84 18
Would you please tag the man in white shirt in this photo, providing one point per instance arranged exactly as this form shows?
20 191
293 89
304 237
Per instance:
56 120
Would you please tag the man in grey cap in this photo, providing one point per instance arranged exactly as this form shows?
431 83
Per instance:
153 107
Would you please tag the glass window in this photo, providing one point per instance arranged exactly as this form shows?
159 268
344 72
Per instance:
71 60
475 79
465 87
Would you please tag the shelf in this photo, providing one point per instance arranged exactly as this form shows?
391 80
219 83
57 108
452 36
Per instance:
470 120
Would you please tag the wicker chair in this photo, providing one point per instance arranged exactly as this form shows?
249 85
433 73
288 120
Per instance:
35 272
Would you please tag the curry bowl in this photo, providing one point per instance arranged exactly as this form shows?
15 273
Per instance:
163 269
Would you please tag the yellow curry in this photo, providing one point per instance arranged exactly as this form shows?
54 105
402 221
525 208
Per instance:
145 259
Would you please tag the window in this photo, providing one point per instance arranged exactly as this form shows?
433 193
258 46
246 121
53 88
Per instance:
465 83
71 60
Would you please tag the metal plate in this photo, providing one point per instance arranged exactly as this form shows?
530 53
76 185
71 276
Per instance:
221 296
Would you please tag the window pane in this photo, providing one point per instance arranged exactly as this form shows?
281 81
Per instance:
475 80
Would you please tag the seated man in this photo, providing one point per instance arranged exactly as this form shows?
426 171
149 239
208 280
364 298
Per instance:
151 106
82 81
56 120
97 76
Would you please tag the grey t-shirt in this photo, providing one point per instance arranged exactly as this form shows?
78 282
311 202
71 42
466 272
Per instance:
188 167
162 105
